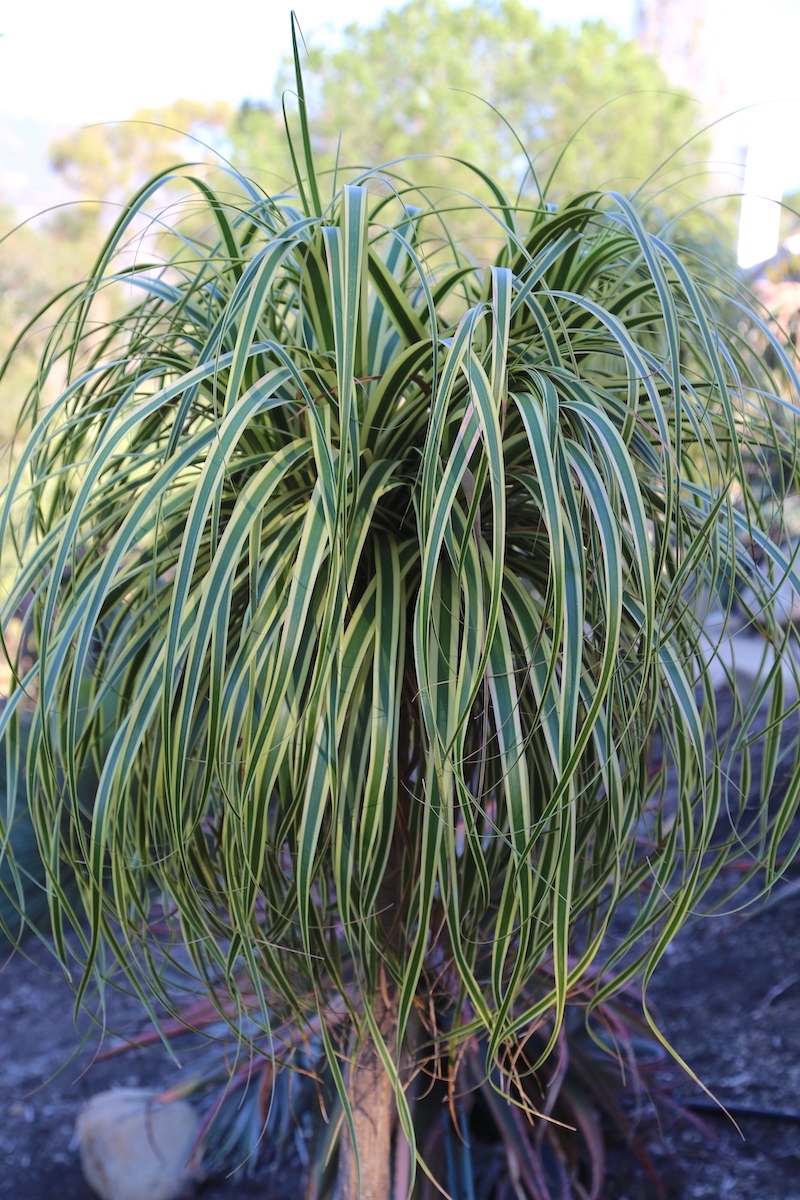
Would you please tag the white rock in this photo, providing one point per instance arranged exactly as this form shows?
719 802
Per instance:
785 598
133 1148
746 658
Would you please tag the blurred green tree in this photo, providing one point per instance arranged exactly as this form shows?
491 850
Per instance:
478 82
108 162
402 87
104 164
485 81
38 258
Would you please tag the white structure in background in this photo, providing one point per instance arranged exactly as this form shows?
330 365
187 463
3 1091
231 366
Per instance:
770 170
731 54
676 32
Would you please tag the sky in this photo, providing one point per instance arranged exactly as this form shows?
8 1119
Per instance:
64 63
78 61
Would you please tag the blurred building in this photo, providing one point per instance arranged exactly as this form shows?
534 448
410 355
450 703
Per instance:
738 60
676 33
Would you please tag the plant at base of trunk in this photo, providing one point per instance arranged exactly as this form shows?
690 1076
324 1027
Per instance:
366 578
276 1101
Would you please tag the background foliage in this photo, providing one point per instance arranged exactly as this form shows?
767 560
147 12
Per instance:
409 72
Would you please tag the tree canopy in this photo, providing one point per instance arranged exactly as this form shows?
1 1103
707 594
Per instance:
487 81
107 162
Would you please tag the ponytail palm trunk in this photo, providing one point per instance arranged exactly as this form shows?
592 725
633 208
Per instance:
366 578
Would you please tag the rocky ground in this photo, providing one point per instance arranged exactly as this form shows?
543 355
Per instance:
728 995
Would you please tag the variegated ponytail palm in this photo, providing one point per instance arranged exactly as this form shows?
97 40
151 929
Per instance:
367 579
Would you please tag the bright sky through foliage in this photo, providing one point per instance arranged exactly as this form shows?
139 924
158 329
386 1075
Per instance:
64 63
93 60
67 63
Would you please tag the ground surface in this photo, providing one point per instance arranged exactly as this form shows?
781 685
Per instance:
729 998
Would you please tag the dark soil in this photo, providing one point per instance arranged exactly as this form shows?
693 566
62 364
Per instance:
41 1096
728 996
